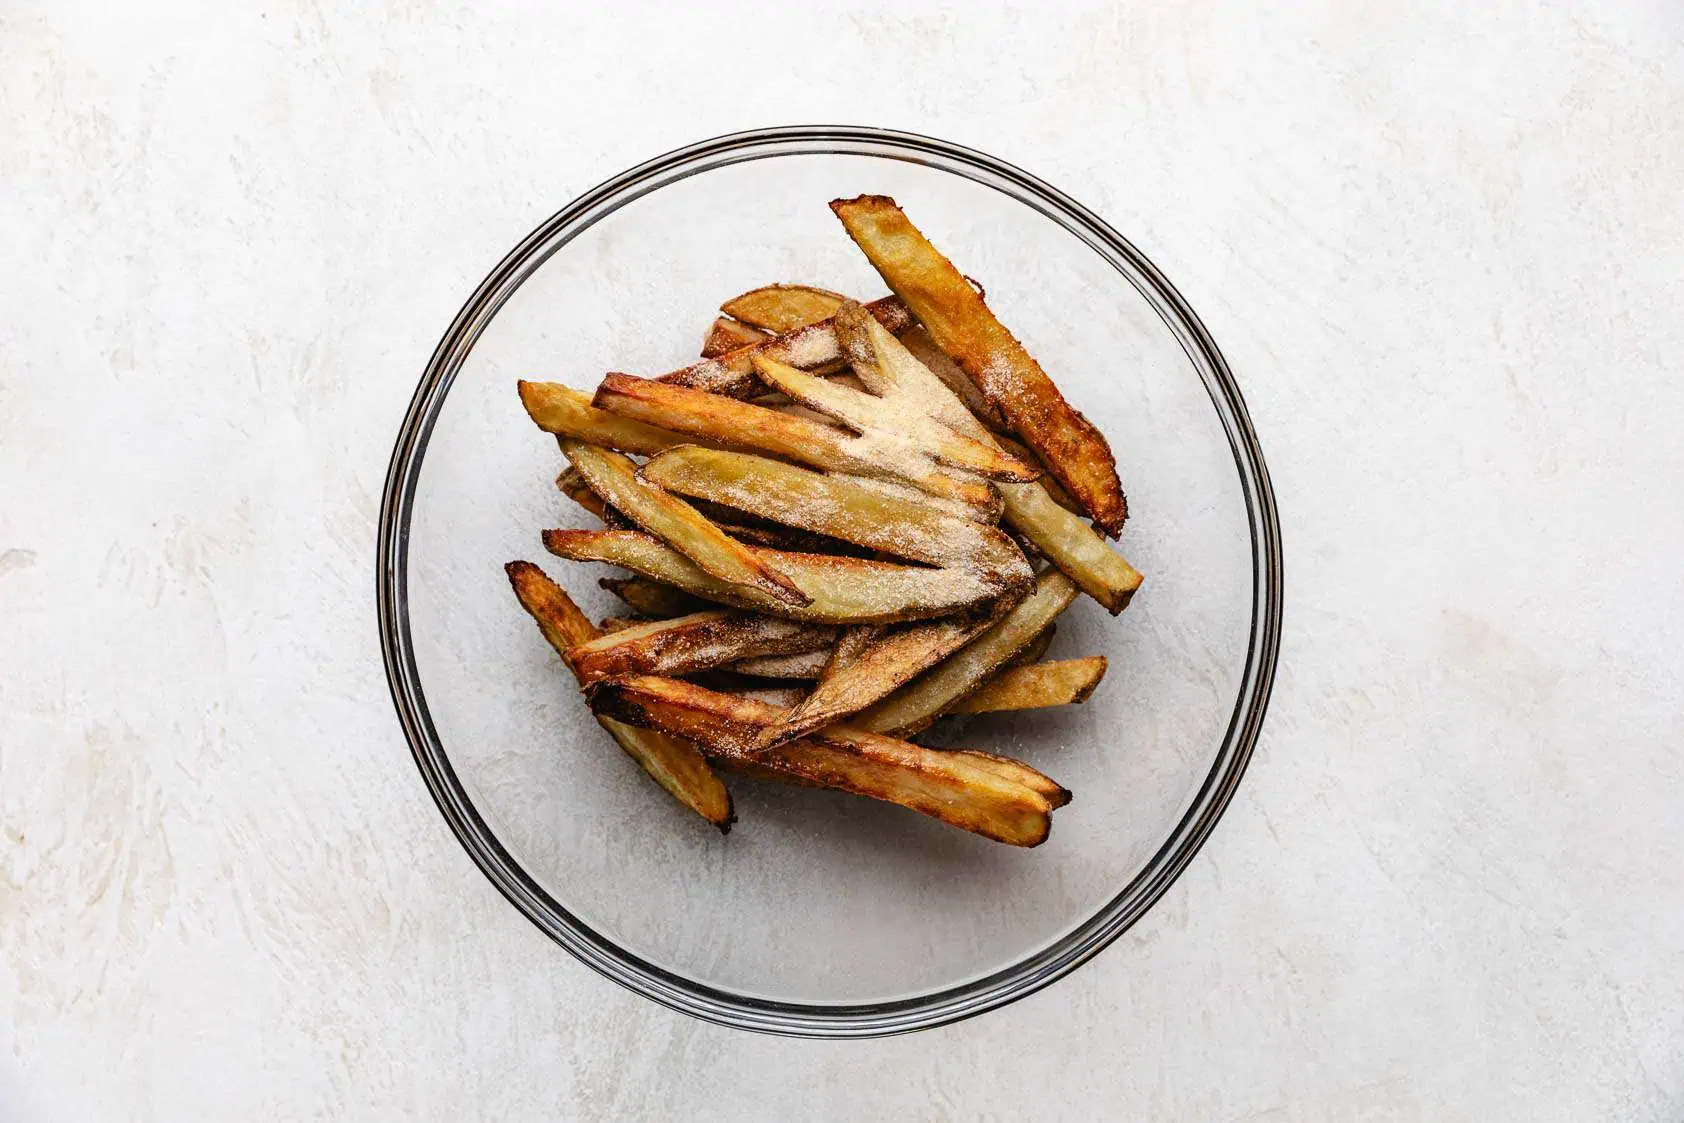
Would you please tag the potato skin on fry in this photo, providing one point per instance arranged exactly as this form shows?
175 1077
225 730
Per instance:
693 643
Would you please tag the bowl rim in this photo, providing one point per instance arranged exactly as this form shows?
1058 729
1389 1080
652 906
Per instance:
928 1009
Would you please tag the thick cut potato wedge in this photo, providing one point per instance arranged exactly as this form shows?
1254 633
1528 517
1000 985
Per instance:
679 525
721 421
955 787
842 590
878 418
845 507
573 485
892 371
673 763
1064 682
807 665
914 706
725 335
567 412
812 348
781 308
890 662
1055 794
959 321
693 643
652 598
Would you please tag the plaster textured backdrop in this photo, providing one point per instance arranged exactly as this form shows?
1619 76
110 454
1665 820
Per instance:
1442 245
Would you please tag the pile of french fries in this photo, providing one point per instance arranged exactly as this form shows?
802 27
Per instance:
845 522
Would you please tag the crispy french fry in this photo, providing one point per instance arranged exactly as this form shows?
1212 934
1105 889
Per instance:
717 421
954 787
921 701
807 665
878 417
959 321
1064 682
567 412
693 643
877 672
610 624
679 525
782 697
726 335
652 598
1055 794
573 485
673 763
781 308
1024 453
845 507
890 370
842 590
812 348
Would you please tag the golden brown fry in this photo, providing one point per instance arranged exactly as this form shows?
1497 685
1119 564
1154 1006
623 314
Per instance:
811 348
1037 648
915 705
924 349
1055 794
694 643
807 665
610 624
1024 453
573 485
567 412
726 335
850 645
843 590
717 420
781 308
890 370
678 524
904 525
887 664
1064 682
959 321
782 697
879 418
652 598
670 762
955 787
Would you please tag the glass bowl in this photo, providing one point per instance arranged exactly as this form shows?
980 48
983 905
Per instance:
822 914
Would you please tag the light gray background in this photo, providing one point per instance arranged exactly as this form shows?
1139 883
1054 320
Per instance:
1442 246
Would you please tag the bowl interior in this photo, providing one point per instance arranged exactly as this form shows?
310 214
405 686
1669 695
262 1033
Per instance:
816 897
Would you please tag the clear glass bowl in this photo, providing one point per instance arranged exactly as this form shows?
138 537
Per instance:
822 914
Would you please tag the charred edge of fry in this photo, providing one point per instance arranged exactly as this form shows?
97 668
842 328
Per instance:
676 765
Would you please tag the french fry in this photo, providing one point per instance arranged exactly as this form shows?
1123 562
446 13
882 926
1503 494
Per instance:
877 417
679 525
781 308
1064 682
917 704
842 590
782 697
673 763
904 525
652 598
891 371
877 672
693 643
959 321
726 335
609 624
567 412
1036 650
955 787
850 645
721 421
807 665
924 349
812 348
1054 793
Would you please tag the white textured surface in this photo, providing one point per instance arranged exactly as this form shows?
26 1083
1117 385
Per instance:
1442 247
